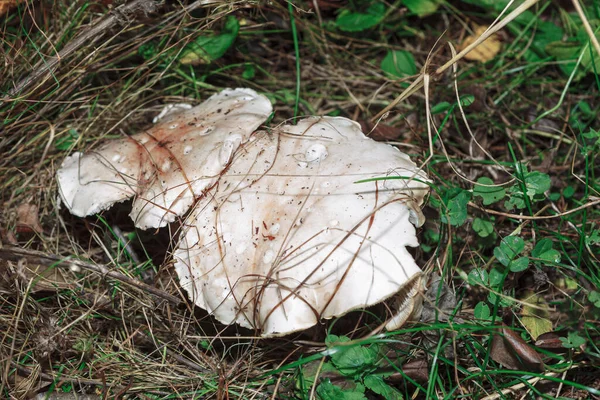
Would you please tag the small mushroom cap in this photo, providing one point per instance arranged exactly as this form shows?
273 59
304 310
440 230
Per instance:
288 236
166 167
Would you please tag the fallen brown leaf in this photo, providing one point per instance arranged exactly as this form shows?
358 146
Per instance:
510 350
380 132
27 218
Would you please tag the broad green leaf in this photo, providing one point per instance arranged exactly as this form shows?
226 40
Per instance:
544 251
496 277
489 194
478 276
502 301
594 298
206 49
350 21
573 340
376 384
519 265
482 227
399 63
537 183
351 359
535 316
422 8
456 211
466 100
509 248
328 391
482 311
563 50
249 71
440 107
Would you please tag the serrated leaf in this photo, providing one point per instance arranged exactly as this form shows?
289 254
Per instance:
482 227
535 320
206 49
422 8
350 21
377 385
489 194
399 63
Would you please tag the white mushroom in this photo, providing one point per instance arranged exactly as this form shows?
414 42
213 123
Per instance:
167 166
289 226
289 236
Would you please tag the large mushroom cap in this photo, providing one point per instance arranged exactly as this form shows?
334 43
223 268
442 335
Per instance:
288 236
167 166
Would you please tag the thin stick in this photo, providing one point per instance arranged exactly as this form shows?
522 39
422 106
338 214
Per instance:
16 253
529 217
586 25
46 66
418 83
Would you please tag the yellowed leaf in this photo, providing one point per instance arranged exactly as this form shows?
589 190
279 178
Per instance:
486 50
534 315
6 5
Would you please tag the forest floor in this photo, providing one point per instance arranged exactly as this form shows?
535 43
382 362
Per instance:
508 134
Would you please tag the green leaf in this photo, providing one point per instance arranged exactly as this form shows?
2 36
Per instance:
65 142
456 209
206 49
489 194
563 50
377 385
519 265
466 100
249 71
483 227
422 8
478 276
535 317
399 63
440 107
328 391
573 340
350 21
544 251
482 311
502 301
593 238
351 359
496 277
509 248
594 298
536 183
